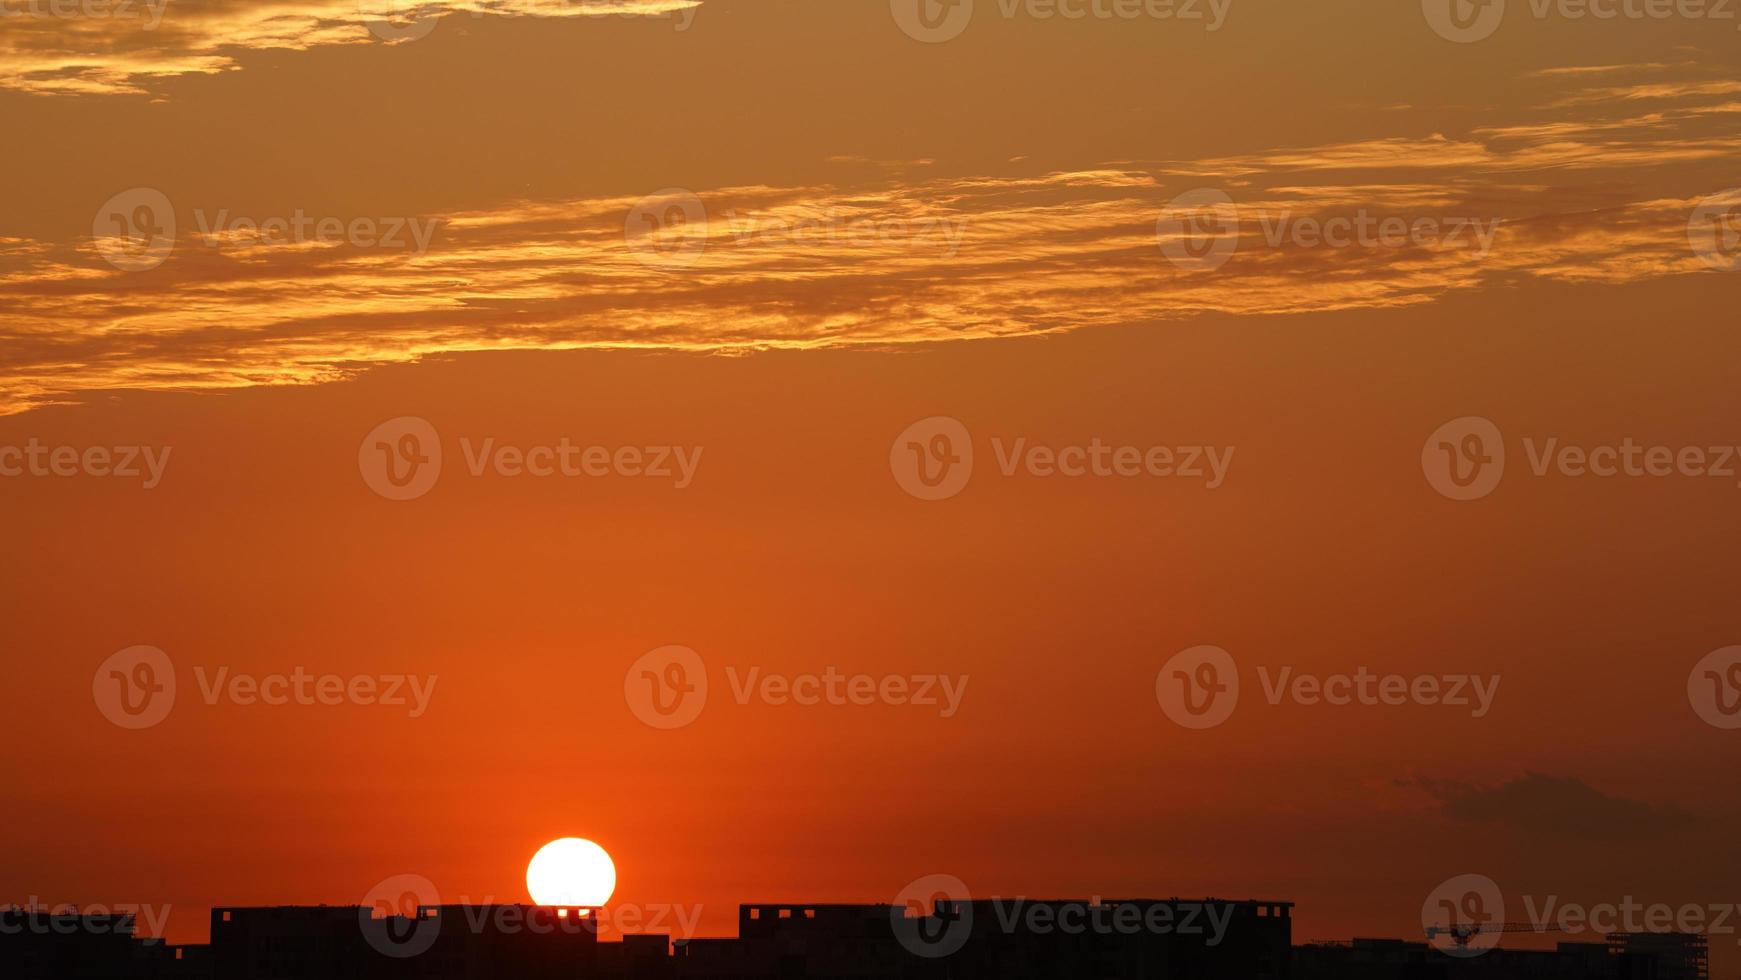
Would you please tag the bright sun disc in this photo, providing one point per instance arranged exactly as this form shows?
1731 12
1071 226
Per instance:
571 873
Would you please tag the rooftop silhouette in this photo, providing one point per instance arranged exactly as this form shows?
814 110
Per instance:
1164 939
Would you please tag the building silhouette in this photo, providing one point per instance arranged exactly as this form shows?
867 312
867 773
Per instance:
1162 939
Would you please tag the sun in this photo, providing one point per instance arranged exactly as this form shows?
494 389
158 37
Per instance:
571 873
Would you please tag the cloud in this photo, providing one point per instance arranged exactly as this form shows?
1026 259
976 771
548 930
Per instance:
120 47
904 257
1545 805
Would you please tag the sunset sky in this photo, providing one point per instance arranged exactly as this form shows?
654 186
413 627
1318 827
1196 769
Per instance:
877 229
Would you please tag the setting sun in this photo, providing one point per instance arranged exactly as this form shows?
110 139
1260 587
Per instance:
571 873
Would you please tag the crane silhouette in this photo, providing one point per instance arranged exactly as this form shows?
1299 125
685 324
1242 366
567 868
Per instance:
1462 934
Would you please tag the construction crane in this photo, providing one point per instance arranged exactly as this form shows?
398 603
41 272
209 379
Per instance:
1461 935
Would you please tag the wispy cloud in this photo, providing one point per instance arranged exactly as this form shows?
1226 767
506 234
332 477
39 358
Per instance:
123 47
905 258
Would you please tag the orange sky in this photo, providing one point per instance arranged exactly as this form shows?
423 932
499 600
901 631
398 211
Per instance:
1018 285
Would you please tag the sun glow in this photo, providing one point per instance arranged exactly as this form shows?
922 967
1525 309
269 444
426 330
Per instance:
571 873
